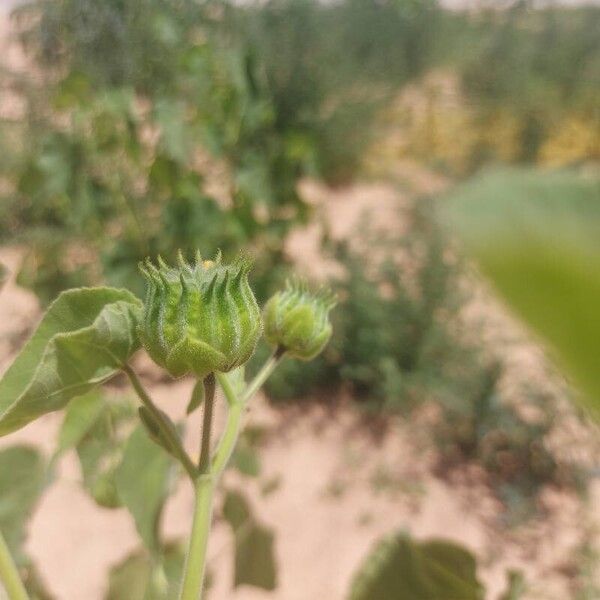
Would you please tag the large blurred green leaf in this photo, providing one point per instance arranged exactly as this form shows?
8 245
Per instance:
402 569
138 578
84 338
537 236
142 481
22 478
80 417
95 426
254 555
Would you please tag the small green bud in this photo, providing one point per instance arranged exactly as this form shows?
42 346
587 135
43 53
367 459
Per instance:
199 318
297 321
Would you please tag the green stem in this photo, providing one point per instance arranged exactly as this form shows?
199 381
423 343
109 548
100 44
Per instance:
159 418
193 579
265 372
195 563
209 398
9 574
229 438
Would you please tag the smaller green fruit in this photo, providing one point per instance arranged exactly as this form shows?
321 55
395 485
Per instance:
297 321
199 318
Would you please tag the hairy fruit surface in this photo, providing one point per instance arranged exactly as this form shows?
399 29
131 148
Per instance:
199 317
297 321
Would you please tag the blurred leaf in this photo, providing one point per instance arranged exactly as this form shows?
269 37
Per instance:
142 481
405 570
197 397
3 275
254 557
236 509
84 338
153 429
34 584
539 242
136 579
98 441
22 479
516 586
245 459
80 417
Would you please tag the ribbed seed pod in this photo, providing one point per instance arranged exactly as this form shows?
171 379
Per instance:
297 320
201 317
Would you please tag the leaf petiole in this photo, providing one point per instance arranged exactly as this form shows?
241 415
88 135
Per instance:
166 429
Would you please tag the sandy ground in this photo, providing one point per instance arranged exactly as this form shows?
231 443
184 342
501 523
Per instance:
326 512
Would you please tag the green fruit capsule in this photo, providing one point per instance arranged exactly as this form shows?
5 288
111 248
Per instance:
199 318
297 321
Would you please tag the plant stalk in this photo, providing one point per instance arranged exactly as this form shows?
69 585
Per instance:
209 399
9 574
159 419
260 378
229 438
195 564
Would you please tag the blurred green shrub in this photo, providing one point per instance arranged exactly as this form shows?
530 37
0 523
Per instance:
161 124
400 341
393 328
541 65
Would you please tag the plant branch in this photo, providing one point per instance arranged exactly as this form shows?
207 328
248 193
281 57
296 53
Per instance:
165 429
209 399
195 564
265 372
9 574
229 438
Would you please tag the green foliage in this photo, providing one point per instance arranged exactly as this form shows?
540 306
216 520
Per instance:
393 327
96 429
399 341
254 555
402 569
142 482
478 424
516 586
139 578
536 237
85 337
22 480
538 64
249 97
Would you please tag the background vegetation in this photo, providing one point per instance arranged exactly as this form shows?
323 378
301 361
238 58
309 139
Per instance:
144 127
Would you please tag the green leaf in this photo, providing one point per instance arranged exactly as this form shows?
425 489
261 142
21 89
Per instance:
516 586
80 417
94 426
538 239
245 459
138 578
22 479
254 556
153 429
3 275
405 570
197 397
85 337
142 481
236 510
